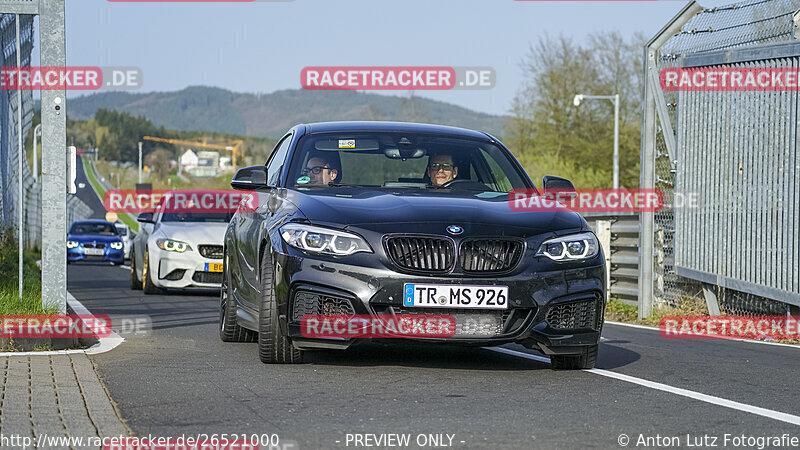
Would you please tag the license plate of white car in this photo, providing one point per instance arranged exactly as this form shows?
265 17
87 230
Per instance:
93 251
450 296
213 267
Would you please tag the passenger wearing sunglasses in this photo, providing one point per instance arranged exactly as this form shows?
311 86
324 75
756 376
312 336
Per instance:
320 171
441 169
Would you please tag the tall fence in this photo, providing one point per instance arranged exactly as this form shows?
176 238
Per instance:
727 162
10 118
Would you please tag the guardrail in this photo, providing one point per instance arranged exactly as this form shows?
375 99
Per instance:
619 237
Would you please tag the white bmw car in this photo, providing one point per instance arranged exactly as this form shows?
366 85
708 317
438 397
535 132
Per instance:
178 250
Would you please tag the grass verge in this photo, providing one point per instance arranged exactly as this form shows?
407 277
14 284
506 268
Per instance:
10 302
617 311
125 218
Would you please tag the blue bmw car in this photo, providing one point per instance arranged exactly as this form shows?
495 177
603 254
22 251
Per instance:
94 240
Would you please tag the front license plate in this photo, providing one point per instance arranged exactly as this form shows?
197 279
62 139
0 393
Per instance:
464 296
213 267
93 251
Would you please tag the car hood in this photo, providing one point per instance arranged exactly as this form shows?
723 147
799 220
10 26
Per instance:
427 211
93 238
193 232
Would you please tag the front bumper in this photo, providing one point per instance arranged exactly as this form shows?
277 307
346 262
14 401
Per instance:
184 270
78 253
555 311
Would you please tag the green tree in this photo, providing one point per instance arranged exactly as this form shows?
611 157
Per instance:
158 161
552 136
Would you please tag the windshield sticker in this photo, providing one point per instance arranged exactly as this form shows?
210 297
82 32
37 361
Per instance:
303 180
347 143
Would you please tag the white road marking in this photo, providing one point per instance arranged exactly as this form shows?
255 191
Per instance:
632 325
768 413
104 344
124 267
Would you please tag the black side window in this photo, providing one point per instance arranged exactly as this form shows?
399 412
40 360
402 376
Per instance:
276 160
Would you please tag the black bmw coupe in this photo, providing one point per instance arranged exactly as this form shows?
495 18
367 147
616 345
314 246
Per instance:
391 220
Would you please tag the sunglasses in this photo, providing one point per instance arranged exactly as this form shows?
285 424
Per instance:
316 170
437 166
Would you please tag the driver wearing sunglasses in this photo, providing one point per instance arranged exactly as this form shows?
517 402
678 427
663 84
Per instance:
441 170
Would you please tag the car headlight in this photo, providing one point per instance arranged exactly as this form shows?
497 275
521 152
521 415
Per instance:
116 245
323 240
171 246
570 248
72 244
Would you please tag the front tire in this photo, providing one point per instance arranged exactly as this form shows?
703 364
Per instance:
147 283
273 346
582 361
136 284
229 330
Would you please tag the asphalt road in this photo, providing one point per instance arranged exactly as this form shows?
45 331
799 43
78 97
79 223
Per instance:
87 194
180 379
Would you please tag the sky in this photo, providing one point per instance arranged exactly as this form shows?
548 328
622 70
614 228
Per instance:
262 46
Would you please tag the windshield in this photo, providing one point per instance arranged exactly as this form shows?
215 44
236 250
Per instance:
102 229
196 217
402 160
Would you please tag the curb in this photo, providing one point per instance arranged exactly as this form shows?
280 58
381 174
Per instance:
104 345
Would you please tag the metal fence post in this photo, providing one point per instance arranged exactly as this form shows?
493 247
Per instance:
54 162
20 157
647 175
647 180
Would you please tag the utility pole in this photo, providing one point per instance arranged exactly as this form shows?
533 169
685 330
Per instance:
54 163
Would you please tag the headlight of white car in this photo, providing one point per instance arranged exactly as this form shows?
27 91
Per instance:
116 245
72 244
173 246
323 240
570 248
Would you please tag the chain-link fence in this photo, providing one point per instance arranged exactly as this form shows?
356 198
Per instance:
10 118
724 145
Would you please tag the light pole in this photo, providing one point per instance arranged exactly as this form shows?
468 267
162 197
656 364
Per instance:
36 132
615 99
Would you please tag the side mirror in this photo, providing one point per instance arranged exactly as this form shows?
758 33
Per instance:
249 178
557 184
145 217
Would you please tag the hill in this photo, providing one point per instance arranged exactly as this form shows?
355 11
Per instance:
269 115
